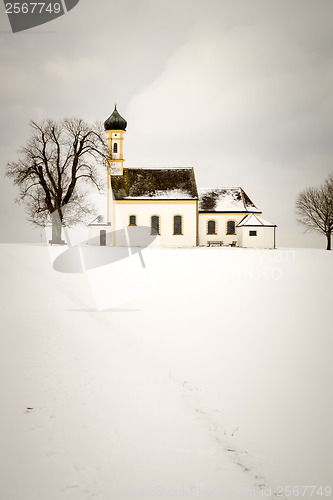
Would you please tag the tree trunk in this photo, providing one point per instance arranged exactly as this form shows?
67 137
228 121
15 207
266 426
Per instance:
328 241
56 229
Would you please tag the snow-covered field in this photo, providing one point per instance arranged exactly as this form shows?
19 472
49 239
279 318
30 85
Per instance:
171 373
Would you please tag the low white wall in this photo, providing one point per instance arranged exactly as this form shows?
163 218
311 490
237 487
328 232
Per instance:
139 235
269 238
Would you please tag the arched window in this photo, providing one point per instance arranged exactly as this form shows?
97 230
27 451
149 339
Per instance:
231 227
132 220
211 227
177 224
155 224
115 148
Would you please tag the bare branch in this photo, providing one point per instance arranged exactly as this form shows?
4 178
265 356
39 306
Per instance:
314 209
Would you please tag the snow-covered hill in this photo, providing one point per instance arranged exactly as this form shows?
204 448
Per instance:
192 373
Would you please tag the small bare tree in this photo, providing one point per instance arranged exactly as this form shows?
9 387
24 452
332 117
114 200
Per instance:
59 158
314 209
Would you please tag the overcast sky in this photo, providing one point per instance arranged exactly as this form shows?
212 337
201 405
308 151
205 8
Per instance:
239 89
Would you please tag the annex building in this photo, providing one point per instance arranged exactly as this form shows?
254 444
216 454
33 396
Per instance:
163 207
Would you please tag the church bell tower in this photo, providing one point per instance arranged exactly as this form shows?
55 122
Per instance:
115 127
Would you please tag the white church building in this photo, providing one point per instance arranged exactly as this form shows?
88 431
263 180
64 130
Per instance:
163 207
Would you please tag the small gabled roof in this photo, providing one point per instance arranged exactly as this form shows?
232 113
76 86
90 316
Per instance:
100 220
253 220
169 183
225 199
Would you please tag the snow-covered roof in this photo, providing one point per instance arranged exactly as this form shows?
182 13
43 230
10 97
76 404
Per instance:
100 220
226 199
253 220
174 183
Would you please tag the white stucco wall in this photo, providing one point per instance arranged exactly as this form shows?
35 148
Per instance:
264 238
268 237
221 227
94 234
139 235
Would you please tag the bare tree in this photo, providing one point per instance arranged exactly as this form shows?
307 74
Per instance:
59 159
314 209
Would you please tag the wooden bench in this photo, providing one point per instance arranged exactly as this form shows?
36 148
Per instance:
215 243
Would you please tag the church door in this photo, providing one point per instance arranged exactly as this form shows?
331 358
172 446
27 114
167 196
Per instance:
102 238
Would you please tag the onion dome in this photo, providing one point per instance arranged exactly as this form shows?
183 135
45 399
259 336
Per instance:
115 121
